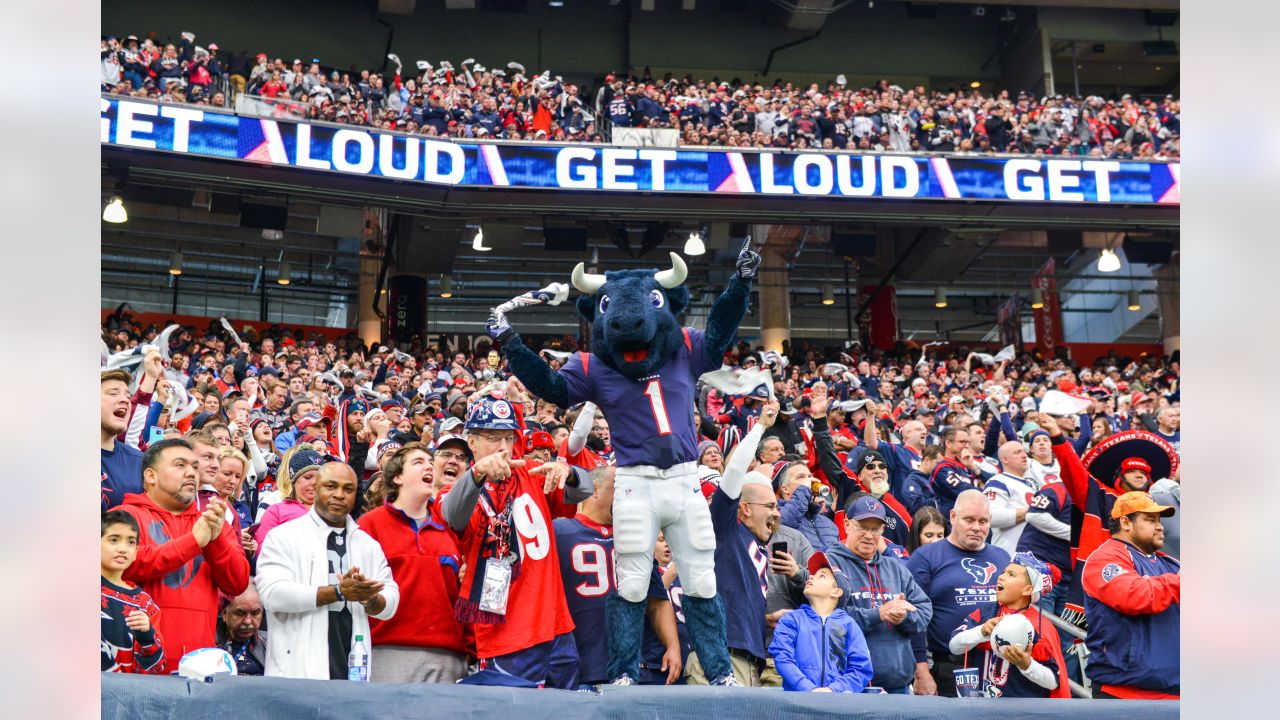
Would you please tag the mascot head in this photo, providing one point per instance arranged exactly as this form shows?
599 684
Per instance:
633 315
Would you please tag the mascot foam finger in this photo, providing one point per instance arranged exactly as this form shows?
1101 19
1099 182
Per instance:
643 374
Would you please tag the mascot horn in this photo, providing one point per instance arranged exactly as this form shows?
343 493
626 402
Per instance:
643 373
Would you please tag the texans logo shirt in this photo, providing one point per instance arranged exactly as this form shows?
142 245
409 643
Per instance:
958 582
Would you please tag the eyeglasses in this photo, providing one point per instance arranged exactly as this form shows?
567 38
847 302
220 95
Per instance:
874 533
508 439
768 506
448 455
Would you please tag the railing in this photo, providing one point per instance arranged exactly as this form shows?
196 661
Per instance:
1082 652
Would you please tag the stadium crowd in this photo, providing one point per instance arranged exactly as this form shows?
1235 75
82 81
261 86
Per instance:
918 496
471 100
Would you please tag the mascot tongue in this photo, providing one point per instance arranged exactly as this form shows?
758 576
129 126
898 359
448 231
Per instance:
635 355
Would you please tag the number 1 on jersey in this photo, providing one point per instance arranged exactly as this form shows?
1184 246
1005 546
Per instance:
654 391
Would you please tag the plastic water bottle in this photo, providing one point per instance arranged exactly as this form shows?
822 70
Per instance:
358 661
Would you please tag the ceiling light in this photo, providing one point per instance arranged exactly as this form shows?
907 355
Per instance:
175 263
446 286
1108 261
1037 298
828 295
477 243
282 277
1135 303
114 211
939 298
269 234
975 84
694 245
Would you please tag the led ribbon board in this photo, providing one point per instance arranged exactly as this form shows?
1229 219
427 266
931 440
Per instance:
326 147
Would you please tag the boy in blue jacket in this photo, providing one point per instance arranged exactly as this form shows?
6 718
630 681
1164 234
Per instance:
819 647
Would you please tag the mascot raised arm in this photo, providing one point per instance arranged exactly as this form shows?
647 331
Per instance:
642 373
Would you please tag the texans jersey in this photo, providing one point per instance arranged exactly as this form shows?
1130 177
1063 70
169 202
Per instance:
125 650
652 648
741 580
587 565
650 419
1054 500
1000 678
957 581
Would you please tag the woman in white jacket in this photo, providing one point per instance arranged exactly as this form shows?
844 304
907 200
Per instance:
320 566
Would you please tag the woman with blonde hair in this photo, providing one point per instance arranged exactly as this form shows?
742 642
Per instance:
298 488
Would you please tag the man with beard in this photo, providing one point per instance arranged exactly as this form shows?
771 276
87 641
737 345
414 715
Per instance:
185 556
1133 599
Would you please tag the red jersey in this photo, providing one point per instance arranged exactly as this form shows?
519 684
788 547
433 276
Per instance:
536 606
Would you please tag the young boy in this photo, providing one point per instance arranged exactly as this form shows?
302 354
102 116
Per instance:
1042 670
130 640
819 647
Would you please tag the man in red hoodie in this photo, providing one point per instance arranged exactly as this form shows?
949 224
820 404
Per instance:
184 556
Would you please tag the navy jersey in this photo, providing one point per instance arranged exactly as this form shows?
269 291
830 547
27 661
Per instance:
652 648
1000 678
650 419
587 569
957 581
121 474
741 581
950 478
1054 500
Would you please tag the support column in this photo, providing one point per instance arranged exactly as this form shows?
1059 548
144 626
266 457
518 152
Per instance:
1170 304
368 324
775 297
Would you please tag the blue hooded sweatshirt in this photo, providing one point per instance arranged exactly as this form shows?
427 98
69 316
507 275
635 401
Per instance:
812 652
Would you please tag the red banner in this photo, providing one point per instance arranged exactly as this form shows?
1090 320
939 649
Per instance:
878 321
1049 317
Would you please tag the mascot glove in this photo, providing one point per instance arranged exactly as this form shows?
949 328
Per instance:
498 328
748 263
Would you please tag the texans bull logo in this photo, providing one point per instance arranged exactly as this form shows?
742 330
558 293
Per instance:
982 573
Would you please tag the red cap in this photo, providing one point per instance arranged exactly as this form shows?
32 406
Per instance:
538 440
1135 463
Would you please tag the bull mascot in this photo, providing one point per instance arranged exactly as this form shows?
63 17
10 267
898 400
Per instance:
643 372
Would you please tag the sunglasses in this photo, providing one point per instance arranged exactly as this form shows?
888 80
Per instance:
875 466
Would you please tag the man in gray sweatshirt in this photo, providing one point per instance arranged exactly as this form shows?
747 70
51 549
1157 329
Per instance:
887 603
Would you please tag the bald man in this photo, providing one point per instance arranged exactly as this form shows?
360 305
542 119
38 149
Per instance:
316 616
1010 493
958 574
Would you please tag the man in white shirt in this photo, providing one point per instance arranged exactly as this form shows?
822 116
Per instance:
321 577
1010 493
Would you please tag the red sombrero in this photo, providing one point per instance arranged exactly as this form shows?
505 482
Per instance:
1105 459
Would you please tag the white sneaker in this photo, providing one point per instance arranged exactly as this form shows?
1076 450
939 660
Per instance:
624 680
727 681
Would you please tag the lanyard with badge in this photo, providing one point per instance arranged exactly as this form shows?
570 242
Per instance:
497 573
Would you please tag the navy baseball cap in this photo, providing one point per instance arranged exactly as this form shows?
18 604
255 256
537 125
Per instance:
819 560
492 413
759 392
865 508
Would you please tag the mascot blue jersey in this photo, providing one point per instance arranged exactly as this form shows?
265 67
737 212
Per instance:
650 419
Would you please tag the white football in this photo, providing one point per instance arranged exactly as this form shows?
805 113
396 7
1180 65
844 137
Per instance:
1014 629
203 664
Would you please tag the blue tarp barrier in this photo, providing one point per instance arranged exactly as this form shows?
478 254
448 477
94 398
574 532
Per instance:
137 697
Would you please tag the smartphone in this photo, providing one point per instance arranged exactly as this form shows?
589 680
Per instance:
155 435
780 547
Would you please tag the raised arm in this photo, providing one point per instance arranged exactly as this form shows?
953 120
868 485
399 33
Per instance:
582 428
533 371
729 309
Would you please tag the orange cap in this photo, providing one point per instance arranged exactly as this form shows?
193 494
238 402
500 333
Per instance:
1137 501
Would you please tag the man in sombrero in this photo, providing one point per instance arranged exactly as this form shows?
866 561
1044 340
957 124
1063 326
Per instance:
1124 462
